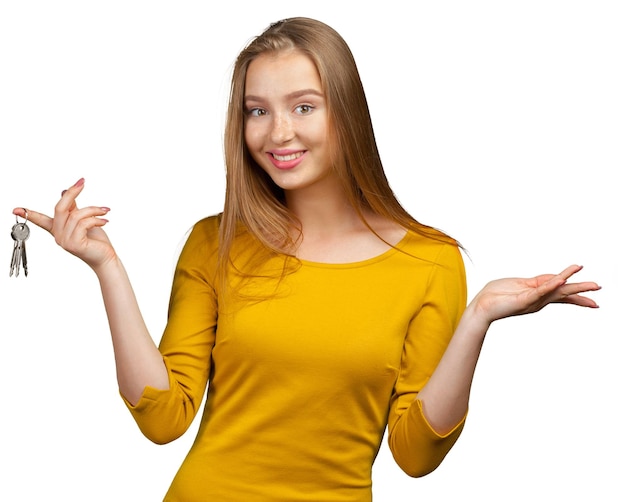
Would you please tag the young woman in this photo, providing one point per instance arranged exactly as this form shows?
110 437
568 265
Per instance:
317 309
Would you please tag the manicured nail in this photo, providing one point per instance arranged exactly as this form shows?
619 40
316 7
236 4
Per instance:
80 182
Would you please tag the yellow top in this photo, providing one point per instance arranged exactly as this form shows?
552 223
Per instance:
304 381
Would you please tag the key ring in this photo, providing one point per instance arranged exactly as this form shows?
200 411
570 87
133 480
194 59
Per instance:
25 216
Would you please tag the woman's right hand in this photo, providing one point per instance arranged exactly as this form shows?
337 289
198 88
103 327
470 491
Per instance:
138 361
78 231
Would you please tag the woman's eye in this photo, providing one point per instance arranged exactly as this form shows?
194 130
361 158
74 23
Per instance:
256 112
304 109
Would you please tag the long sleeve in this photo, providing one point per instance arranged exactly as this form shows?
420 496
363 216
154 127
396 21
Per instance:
186 345
416 447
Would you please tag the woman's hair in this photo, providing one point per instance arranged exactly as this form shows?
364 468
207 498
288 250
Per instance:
252 199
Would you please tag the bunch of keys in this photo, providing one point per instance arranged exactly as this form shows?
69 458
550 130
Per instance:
19 233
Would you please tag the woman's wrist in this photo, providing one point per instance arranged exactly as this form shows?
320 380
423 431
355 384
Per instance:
475 319
109 268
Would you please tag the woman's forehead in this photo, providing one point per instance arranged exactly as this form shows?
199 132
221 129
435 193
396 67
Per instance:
285 72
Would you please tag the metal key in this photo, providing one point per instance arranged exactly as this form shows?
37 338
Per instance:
20 233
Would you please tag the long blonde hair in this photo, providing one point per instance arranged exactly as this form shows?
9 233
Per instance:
253 201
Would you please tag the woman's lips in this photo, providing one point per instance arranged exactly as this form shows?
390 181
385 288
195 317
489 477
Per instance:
286 159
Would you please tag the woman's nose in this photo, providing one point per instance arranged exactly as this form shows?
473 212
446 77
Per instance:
282 129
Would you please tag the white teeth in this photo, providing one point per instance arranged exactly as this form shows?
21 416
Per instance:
284 158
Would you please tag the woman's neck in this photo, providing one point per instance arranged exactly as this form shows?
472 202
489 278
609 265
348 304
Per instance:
326 213
333 231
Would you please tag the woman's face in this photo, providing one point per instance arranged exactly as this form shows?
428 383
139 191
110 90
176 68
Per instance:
286 122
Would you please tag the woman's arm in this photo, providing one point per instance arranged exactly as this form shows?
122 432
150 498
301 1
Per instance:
445 397
79 231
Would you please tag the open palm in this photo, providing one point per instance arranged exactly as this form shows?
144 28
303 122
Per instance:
516 296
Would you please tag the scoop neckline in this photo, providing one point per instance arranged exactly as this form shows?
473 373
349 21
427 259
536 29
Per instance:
360 263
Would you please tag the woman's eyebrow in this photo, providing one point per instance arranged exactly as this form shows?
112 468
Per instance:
291 95
305 92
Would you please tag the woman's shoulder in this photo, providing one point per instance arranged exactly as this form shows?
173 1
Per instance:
416 239
206 233
203 236
430 244
208 224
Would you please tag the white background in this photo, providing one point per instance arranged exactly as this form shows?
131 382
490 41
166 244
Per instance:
500 122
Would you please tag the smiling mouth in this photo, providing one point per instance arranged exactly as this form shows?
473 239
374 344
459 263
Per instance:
291 156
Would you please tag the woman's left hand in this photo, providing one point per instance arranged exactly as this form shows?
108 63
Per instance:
515 296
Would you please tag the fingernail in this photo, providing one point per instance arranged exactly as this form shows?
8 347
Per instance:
80 182
106 209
